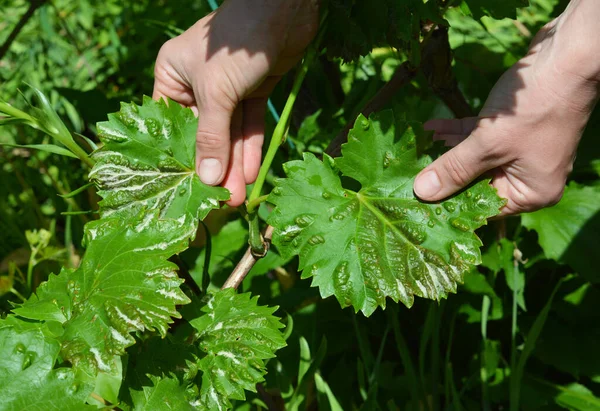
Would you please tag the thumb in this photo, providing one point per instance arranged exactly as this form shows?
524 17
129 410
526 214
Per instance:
213 143
456 169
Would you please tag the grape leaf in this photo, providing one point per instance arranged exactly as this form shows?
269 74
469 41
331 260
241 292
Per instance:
235 335
124 284
380 241
148 162
27 357
568 231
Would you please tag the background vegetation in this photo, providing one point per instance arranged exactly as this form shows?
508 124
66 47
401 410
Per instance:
526 320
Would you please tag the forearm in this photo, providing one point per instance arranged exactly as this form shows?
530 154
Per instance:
578 38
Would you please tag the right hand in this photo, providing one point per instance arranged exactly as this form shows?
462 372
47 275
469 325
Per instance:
527 133
225 67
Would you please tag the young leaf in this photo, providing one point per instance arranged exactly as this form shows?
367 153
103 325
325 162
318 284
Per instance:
124 284
165 394
28 380
236 335
147 162
380 241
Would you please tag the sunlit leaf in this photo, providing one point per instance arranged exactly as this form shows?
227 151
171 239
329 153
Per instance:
380 241
124 284
148 162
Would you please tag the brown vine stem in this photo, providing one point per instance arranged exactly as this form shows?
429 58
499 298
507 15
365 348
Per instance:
437 68
33 6
246 263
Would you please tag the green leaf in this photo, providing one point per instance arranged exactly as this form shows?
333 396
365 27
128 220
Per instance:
568 231
325 396
576 397
27 356
124 284
380 241
516 378
166 394
148 162
236 336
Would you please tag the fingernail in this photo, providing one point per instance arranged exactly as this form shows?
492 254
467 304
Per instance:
427 185
210 171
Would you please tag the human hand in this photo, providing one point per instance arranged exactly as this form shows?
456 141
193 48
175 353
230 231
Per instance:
527 133
225 67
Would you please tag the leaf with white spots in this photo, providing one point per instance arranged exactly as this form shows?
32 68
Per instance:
380 241
148 162
29 381
236 336
124 284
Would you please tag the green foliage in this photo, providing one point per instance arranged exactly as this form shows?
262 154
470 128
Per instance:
497 9
507 338
163 394
126 284
568 231
381 241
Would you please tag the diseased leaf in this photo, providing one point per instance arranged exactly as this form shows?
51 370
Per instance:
124 284
236 336
27 376
568 231
380 241
148 162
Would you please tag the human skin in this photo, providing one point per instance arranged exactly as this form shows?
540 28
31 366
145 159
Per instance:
527 133
225 67
525 137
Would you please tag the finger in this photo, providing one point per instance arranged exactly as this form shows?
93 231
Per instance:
234 177
505 189
213 141
456 169
457 126
254 134
168 83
